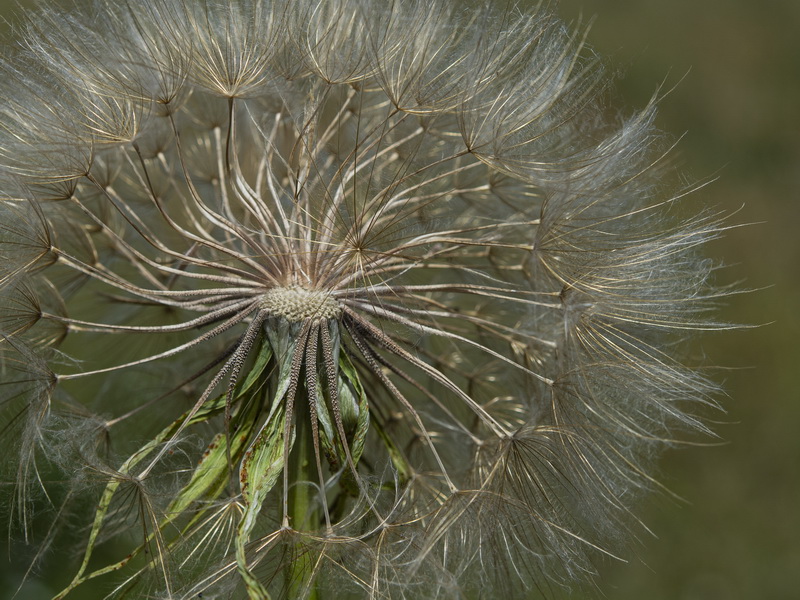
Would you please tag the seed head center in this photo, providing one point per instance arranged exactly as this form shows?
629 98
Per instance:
295 303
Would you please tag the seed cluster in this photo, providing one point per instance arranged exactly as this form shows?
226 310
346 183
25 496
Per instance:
296 304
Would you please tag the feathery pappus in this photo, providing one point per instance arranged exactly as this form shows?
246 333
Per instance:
314 295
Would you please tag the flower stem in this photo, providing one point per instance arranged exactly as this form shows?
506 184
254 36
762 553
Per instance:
303 504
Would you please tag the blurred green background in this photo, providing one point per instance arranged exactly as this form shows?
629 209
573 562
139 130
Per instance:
736 64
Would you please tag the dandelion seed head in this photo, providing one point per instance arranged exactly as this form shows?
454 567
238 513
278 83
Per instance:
339 294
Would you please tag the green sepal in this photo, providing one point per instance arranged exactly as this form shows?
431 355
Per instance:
265 459
210 477
263 463
355 415
205 479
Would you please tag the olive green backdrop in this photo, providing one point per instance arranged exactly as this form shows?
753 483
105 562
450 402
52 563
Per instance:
736 68
738 536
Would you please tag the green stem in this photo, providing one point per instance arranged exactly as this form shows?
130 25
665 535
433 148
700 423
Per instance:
303 515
